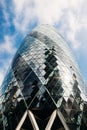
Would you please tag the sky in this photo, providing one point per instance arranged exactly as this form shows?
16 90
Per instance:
19 17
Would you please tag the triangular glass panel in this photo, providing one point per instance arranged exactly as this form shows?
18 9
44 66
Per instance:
41 123
27 124
57 124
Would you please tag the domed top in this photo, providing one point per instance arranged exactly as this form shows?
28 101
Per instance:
31 56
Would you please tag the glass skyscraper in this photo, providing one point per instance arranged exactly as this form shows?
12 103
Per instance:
43 88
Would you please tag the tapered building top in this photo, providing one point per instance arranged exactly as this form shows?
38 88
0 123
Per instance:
43 88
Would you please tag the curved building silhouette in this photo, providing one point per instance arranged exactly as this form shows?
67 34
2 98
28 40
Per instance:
43 88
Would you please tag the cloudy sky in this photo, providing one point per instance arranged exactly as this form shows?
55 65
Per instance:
19 17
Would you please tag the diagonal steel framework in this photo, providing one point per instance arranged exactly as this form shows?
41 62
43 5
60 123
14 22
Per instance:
49 124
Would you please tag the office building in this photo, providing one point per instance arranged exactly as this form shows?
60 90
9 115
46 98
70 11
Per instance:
43 88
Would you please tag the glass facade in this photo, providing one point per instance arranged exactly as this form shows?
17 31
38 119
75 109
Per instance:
43 88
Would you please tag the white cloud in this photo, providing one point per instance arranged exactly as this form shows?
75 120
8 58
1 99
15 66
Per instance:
5 13
8 45
51 12
24 14
6 49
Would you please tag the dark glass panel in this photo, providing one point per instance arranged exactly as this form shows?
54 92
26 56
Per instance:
21 69
27 124
31 87
57 124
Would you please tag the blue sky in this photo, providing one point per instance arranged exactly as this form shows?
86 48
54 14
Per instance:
19 17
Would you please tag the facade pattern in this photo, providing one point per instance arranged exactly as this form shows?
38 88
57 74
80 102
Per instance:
43 88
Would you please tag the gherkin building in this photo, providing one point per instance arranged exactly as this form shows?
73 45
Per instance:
43 88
